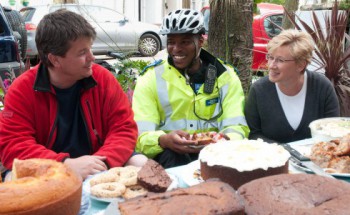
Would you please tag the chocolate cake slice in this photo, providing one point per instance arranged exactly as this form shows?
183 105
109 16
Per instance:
153 177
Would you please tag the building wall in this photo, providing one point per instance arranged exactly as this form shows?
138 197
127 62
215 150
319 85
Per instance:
151 11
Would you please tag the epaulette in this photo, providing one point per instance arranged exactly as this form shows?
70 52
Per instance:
230 65
153 64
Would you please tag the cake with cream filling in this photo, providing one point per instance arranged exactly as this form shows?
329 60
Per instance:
238 162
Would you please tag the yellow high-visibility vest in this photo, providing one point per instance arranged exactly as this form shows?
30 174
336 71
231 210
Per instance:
163 102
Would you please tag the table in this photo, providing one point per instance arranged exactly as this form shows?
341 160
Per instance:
98 208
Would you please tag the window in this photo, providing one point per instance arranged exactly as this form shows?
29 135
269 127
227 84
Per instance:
273 24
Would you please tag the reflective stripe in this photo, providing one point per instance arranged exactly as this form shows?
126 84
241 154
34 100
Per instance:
223 94
146 126
200 124
186 124
230 130
233 121
163 92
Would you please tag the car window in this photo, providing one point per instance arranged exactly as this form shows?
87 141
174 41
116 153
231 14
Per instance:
273 24
27 13
99 14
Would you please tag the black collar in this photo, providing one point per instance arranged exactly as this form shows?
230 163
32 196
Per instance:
42 80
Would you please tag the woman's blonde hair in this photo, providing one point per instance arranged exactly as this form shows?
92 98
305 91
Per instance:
300 44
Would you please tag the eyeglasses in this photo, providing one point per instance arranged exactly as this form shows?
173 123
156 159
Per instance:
271 59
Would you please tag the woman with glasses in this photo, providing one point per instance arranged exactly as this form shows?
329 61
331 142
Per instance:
281 106
191 91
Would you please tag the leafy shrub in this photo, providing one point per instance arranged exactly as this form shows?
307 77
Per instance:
332 55
127 73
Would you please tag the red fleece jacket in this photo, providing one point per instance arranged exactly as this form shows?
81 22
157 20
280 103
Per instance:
28 122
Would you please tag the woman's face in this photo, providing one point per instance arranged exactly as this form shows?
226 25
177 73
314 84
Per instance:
282 66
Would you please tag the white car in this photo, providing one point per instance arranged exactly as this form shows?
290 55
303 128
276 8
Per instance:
115 32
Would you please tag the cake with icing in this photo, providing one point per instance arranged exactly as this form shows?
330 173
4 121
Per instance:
238 162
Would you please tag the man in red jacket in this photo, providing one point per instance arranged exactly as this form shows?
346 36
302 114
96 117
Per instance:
67 108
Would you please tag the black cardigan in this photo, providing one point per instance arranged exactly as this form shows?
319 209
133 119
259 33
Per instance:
266 118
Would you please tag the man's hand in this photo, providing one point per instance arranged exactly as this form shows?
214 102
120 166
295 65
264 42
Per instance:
178 141
87 165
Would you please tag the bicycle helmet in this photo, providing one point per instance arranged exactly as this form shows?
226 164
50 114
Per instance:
183 21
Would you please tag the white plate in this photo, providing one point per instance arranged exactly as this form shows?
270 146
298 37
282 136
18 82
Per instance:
189 174
86 188
108 200
347 175
305 149
196 146
112 209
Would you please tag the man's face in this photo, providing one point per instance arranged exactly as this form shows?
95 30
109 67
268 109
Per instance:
77 62
183 48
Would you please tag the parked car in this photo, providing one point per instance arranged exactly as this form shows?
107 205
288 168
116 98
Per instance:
115 32
17 24
266 24
11 64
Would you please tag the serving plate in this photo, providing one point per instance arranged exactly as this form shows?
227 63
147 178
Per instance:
197 146
305 149
191 174
112 209
86 189
302 168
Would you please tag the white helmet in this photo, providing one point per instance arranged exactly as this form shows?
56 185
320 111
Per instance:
183 21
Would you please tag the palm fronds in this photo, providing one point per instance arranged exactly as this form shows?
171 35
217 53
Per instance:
329 35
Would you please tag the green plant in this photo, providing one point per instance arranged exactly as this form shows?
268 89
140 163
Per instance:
127 73
332 55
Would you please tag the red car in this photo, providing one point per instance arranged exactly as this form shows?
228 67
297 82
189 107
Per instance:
265 26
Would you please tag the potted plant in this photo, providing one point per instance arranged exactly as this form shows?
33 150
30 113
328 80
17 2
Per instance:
332 54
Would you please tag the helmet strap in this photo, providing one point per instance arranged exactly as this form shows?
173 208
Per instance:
195 58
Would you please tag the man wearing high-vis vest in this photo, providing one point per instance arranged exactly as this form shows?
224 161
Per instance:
191 91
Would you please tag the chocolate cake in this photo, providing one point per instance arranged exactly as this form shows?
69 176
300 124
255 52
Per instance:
153 177
287 194
208 198
238 162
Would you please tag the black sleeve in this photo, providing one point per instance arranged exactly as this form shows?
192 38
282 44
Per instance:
252 115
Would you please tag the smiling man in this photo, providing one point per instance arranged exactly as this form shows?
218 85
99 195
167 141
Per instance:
191 91
67 108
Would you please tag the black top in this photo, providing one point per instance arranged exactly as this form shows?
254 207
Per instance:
266 118
71 130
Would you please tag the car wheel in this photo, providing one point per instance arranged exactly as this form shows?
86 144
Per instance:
149 45
17 23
